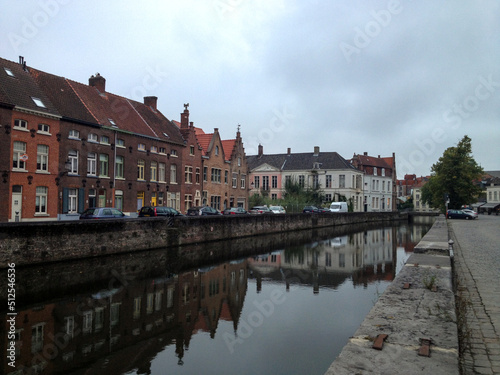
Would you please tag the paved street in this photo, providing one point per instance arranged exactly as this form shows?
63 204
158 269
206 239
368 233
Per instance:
477 262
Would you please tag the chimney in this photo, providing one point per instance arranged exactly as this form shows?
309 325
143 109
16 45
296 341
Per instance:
316 150
261 150
151 101
288 151
99 82
185 117
365 153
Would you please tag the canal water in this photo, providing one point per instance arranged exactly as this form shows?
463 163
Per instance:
286 311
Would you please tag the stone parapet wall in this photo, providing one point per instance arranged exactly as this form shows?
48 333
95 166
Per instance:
44 242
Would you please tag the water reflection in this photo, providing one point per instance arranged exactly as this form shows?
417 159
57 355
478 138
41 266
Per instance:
217 319
365 257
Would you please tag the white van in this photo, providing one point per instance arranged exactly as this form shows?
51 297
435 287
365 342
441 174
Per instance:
338 207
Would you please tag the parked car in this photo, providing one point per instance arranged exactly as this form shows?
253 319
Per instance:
102 213
471 212
152 211
202 211
259 210
314 210
235 211
277 209
459 214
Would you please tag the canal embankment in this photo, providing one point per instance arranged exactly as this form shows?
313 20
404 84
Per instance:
412 329
46 242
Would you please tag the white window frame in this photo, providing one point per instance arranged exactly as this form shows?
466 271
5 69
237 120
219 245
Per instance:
120 167
153 168
103 165
43 128
41 200
72 200
173 173
19 149
74 134
92 164
20 124
92 137
42 158
161 172
141 165
73 160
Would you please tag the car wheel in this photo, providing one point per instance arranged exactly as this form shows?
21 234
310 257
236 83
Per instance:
467 218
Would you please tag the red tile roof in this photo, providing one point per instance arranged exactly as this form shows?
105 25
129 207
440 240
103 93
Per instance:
228 146
374 162
78 101
204 141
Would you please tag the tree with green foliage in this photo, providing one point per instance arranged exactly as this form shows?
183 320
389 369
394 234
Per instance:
453 176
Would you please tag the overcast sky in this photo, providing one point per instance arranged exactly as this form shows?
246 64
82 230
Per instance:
410 77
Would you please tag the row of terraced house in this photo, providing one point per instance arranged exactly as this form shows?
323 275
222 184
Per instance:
67 146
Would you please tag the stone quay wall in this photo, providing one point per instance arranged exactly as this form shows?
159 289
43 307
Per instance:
45 242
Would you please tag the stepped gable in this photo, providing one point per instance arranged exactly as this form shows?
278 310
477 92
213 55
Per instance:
20 88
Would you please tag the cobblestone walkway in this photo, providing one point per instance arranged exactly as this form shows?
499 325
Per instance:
477 268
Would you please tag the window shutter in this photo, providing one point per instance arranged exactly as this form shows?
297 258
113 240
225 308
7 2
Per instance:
65 201
81 200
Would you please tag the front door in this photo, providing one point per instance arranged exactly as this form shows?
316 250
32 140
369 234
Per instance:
17 202
102 198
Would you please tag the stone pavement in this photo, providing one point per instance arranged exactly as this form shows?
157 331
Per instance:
419 305
477 270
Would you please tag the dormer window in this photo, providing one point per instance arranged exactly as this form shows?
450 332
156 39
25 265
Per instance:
38 102
9 72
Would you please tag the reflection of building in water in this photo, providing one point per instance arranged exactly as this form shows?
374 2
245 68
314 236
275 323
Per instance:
409 237
124 327
367 256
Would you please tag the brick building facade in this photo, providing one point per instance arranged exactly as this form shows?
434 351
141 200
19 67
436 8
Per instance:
71 146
